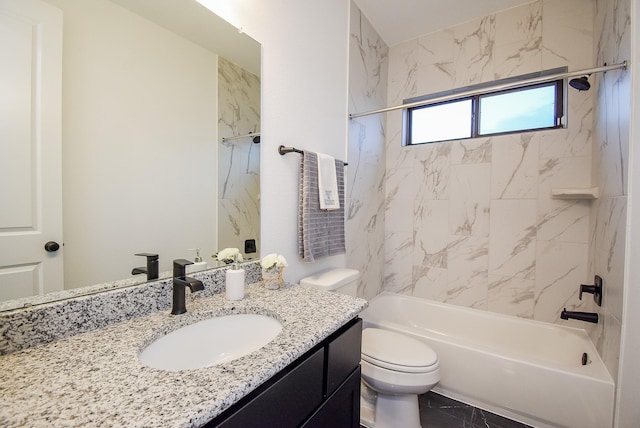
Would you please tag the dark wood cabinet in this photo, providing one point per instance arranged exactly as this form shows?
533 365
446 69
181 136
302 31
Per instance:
319 389
343 355
342 408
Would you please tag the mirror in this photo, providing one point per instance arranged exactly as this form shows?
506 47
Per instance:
149 89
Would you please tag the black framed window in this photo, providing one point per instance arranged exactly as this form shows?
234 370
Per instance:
521 109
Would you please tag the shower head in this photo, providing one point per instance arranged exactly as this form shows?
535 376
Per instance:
256 139
580 83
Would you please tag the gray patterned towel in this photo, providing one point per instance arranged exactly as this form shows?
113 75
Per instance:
320 232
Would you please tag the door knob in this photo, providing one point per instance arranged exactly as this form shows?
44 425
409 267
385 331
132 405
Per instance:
51 246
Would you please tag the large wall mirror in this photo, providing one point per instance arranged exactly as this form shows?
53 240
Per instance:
152 92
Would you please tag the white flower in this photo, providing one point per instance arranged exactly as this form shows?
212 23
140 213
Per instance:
228 255
282 261
273 260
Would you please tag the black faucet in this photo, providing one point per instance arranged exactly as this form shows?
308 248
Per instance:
180 282
581 316
152 266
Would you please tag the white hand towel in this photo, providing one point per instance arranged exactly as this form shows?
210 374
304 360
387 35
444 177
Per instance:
327 183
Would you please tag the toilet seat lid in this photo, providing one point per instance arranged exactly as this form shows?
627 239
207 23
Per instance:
396 351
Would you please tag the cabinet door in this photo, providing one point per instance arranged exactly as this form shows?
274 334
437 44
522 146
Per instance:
288 401
343 355
342 409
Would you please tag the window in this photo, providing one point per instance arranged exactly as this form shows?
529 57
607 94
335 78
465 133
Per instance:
520 109
447 121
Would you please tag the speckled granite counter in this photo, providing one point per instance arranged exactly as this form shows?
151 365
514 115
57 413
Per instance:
96 379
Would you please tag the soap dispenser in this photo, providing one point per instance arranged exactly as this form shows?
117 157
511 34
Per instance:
234 281
198 264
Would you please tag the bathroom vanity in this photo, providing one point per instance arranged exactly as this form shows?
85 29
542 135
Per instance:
308 375
320 389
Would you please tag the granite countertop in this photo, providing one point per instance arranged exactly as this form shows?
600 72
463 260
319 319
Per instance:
96 379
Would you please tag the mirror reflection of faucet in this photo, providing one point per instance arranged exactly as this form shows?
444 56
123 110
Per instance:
152 266
180 282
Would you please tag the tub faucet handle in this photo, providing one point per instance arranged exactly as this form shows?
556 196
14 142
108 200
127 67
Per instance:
595 289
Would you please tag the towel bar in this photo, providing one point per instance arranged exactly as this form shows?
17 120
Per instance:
284 150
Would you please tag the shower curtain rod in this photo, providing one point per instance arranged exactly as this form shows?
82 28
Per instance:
504 86
237 137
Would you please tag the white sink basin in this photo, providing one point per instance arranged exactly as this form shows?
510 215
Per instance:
210 342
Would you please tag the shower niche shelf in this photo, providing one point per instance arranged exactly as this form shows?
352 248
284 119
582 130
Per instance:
575 193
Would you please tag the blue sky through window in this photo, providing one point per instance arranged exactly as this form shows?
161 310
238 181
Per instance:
514 111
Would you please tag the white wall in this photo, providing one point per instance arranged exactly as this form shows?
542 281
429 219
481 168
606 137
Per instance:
139 135
304 104
627 409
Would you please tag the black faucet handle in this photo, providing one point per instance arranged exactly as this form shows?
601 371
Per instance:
591 289
180 267
151 256
595 289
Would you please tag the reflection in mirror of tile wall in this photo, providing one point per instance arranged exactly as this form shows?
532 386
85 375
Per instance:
239 159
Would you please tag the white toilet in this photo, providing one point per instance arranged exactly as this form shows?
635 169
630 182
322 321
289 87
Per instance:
395 368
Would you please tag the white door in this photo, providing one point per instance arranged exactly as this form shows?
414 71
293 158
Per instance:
30 148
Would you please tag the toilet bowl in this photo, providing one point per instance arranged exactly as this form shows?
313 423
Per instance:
395 368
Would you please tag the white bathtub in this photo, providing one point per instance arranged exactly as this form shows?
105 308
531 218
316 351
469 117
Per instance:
528 371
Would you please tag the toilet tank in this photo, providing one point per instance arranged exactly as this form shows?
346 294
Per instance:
341 280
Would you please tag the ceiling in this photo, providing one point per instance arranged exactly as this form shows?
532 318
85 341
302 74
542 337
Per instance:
400 20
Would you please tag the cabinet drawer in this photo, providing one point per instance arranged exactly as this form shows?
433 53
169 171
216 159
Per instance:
288 401
343 355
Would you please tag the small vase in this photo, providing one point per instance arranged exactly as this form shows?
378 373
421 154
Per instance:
272 278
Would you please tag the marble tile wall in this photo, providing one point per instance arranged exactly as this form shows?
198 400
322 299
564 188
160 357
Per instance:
472 222
238 160
610 170
366 155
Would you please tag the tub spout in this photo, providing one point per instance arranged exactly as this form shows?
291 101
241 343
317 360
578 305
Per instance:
581 316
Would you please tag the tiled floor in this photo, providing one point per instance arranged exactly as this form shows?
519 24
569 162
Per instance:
437 411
